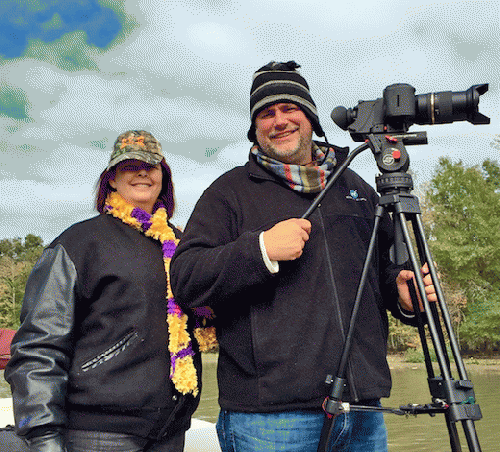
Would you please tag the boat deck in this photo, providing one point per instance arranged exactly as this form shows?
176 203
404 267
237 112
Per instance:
201 437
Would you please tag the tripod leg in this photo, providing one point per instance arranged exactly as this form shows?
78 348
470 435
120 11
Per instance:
438 346
434 325
326 432
453 433
468 424
335 397
444 309
447 385
401 257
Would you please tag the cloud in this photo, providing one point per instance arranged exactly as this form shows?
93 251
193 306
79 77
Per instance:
219 40
183 70
88 104
191 177
47 192
42 209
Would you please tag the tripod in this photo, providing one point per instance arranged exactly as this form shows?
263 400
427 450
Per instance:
452 397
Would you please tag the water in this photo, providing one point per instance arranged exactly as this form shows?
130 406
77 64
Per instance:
422 433
425 433
416 434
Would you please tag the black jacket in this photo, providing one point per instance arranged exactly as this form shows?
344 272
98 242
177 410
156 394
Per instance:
91 352
281 334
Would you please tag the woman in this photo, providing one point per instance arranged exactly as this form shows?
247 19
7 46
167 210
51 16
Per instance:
103 359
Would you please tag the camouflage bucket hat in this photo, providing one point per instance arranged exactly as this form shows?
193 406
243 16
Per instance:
136 145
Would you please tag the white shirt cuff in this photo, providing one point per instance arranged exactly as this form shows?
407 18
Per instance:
405 313
272 266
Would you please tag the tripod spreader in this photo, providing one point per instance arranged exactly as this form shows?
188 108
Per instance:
465 410
405 410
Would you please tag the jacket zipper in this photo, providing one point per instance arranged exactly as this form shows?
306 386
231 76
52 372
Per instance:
336 304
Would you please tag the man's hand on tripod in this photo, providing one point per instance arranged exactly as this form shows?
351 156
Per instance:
404 293
285 241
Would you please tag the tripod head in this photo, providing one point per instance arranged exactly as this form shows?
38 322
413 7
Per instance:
393 161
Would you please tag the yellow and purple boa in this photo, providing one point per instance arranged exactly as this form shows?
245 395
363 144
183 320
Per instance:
182 369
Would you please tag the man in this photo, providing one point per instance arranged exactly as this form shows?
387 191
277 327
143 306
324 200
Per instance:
283 287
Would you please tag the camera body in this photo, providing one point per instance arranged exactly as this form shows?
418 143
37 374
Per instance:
400 107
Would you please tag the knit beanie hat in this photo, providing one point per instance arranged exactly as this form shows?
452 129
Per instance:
280 82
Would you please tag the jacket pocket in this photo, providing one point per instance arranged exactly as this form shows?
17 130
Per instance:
111 352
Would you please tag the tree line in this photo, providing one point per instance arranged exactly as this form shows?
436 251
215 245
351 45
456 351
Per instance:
17 258
461 214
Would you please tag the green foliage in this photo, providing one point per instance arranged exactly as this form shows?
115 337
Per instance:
401 336
21 251
466 216
464 206
416 355
491 172
481 328
413 355
17 258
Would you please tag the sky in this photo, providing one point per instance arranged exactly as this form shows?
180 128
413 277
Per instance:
74 74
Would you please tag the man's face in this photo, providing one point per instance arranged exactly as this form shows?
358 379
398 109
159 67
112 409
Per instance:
284 133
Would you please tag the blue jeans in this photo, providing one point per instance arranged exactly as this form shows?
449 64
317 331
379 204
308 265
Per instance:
300 431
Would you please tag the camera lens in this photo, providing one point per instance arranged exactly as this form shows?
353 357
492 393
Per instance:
448 106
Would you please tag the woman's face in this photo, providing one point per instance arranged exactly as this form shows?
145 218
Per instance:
139 183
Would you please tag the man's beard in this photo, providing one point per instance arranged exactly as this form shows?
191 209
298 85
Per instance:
287 156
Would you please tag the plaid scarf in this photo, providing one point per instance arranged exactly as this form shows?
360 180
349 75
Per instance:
306 179
182 370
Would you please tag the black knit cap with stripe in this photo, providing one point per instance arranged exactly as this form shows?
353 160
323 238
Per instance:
280 82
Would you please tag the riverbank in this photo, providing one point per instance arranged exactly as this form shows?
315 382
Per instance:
397 361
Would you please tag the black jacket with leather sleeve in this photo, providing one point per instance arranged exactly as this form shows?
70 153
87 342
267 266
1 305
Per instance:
92 349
